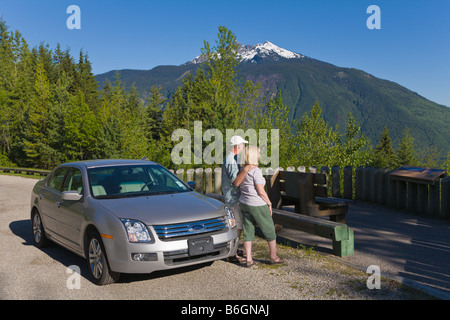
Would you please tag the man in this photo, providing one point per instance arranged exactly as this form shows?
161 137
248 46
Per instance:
232 177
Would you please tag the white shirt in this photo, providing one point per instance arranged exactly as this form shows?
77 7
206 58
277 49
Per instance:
249 195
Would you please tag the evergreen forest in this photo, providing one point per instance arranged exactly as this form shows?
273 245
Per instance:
52 111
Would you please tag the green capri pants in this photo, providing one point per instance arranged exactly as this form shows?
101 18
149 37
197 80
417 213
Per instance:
259 216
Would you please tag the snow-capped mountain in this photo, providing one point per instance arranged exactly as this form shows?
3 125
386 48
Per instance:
267 52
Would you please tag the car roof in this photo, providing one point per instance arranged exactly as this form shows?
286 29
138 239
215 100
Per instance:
110 162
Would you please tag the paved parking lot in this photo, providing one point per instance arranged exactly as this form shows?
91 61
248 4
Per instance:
27 272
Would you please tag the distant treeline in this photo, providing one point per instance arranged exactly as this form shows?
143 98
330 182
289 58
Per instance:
53 111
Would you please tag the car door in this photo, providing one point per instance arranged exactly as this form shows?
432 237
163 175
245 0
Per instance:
48 198
70 212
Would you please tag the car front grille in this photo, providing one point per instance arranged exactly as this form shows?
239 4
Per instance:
190 228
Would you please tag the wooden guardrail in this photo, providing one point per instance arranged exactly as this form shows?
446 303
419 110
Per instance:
363 183
25 170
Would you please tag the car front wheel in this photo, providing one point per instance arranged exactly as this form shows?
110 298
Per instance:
39 237
98 263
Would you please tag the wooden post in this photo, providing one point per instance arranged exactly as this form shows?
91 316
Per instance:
348 182
208 180
445 197
324 170
433 199
422 198
401 194
412 196
392 191
382 186
359 182
336 182
378 198
373 184
180 174
273 187
218 180
366 185
190 175
199 180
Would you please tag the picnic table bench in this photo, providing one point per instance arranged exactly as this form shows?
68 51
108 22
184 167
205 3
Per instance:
339 233
308 192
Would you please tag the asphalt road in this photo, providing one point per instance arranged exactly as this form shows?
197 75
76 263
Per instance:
53 273
412 249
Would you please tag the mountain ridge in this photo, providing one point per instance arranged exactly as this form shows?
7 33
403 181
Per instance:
302 81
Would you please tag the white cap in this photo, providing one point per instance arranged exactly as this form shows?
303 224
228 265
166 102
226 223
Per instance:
235 140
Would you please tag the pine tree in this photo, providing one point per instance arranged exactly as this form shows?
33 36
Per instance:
154 110
40 144
406 154
122 132
219 86
276 116
355 151
317 143
81 130
85 81
384 155
8 80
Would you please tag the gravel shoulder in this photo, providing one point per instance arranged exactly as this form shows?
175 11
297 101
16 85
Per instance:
29 273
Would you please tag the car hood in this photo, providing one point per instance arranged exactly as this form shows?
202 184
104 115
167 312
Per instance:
166 208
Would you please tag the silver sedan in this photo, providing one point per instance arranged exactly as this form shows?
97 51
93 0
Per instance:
129 216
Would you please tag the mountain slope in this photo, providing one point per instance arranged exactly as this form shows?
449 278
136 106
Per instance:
374 102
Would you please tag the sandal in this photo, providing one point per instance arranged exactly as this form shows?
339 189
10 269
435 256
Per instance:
250 264
277 261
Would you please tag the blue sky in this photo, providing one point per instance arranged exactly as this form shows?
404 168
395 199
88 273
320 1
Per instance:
412 47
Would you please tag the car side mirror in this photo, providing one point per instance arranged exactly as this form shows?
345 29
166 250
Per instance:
71 196
191 184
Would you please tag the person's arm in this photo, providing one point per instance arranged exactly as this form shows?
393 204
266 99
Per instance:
241 176
263 194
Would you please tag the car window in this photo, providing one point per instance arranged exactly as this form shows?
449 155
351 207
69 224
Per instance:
133 180
74 181
57 178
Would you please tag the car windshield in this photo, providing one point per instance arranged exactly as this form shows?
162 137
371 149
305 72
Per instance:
133 180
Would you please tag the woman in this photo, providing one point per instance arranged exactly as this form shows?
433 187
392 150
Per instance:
256 208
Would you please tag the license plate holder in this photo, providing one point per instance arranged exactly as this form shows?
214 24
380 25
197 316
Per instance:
200 246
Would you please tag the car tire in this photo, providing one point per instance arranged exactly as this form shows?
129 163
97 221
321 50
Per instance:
37 228
98 265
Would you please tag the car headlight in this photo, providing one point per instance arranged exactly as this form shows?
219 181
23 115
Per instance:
136 230
230 217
